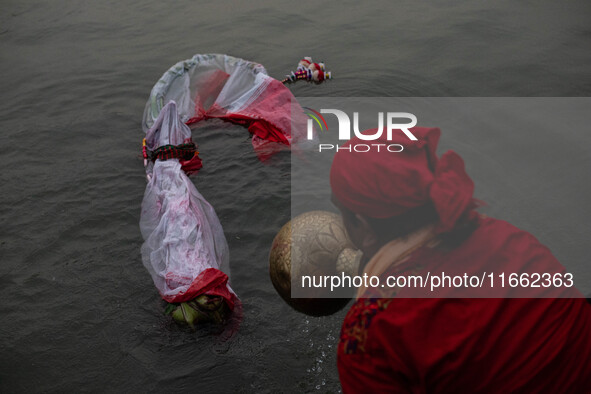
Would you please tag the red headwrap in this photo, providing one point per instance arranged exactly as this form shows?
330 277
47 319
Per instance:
382 184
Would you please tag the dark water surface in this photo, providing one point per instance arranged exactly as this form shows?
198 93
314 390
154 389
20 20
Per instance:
79 311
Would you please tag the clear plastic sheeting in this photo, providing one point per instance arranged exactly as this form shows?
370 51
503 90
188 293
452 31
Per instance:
234 90
185 250
184 239
203 80
166 130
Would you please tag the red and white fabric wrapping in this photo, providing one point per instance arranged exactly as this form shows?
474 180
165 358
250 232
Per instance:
234 90
185 249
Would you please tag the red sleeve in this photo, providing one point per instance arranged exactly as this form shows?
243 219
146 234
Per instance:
370 373
364 364
486 345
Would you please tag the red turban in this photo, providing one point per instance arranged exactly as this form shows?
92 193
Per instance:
382 184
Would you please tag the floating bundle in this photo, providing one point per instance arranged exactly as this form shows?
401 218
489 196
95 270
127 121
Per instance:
185 249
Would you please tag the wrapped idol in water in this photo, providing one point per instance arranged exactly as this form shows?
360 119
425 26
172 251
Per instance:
185 249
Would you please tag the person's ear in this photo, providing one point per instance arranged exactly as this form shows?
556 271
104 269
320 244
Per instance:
369 240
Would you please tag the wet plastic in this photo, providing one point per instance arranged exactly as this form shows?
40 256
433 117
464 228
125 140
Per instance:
234 90
183 235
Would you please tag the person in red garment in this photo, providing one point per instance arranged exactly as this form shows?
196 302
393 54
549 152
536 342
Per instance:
414 213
